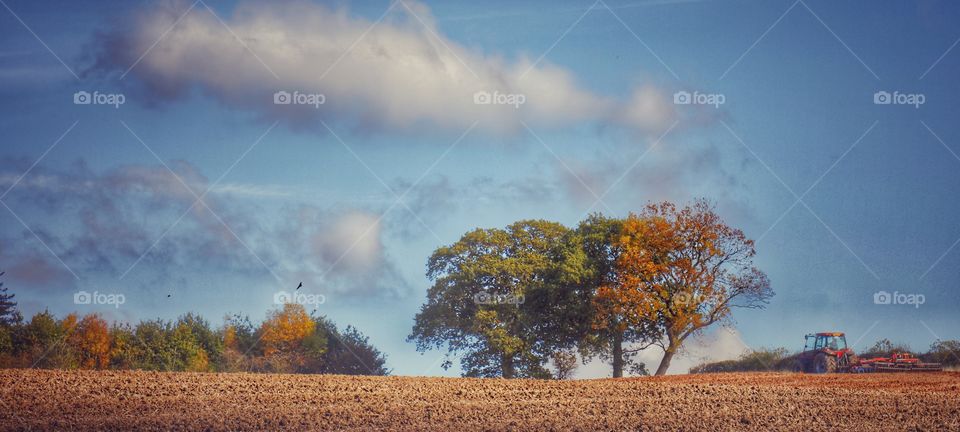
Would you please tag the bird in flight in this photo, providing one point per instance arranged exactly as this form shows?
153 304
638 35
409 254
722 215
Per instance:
300 286
168 295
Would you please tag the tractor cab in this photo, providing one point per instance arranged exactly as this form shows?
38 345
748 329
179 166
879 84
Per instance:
825 341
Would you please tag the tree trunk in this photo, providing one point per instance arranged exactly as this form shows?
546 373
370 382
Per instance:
618 355
506 366
665 362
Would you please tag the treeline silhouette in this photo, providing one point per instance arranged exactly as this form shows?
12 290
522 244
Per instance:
289 340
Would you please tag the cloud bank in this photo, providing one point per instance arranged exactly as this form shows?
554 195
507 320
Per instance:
398 73
141 220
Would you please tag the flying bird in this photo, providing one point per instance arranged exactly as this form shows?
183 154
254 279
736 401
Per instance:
300 286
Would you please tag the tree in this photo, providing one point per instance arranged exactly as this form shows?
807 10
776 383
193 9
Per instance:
607 329
152 348
944 352
186 350
350 352
885 348
285 329
90 342
239 334
8 308
316 348
123 352
502 297
682 270
283 335
41 342
564 364
206 338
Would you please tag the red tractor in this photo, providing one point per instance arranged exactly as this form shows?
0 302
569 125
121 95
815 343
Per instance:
825 353
828 353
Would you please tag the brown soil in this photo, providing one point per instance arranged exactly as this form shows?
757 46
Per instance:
90 400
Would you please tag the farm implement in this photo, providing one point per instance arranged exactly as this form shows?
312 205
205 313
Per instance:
828 353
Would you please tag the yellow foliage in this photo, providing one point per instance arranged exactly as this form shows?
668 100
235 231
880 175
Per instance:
285 329
199 362
230 337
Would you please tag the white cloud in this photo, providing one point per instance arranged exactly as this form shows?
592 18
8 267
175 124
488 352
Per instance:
351 242
401 74
338 251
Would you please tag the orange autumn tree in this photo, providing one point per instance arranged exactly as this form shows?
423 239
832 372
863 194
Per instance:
91 340
681 270
285 329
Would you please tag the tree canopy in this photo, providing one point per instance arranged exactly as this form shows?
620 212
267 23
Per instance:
512 300
502 298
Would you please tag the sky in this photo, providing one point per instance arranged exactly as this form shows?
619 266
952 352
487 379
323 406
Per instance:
206 156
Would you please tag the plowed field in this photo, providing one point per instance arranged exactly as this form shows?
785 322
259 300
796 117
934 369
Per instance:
89 400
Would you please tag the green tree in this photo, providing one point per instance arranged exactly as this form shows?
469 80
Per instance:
945 352
123 349
315 349
6 345
210 341
349 352
42 342
885 348
8 308
186 351
152 348
502 298
564 364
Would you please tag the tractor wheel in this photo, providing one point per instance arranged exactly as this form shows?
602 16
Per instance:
825 363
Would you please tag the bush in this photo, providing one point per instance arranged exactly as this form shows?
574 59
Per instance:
944 352
761 360
885 348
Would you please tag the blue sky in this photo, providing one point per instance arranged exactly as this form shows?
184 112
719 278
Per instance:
311 192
